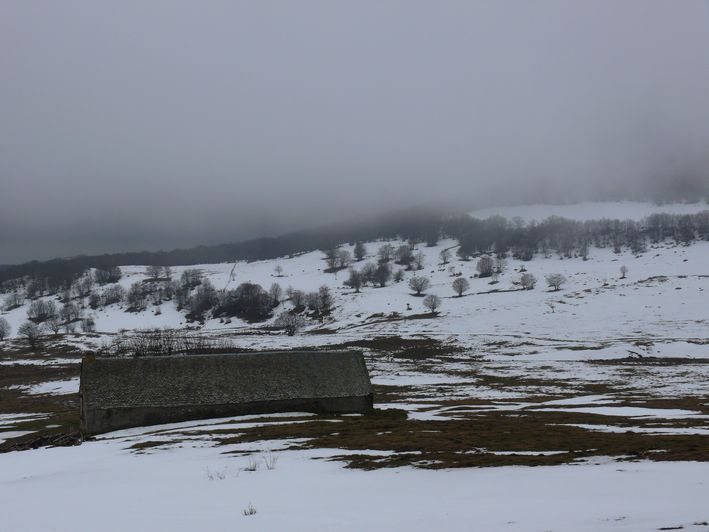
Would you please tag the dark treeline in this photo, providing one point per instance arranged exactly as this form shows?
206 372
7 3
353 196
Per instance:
497 235
59 273
571 238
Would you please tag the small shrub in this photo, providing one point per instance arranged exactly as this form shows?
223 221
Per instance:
252 466
270 460
249 510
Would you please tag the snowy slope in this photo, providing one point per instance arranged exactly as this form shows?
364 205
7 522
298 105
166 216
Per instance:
594 303
531 352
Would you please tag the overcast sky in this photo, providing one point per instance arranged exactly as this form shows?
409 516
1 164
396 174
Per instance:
155 124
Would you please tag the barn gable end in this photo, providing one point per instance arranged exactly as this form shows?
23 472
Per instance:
119 393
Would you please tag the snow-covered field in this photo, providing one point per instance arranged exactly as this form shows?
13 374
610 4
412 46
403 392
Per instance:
603 377
196 488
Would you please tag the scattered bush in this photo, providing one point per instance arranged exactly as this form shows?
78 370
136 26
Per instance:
249 302
290 322
419 260
355 280
137 297
419 284
382 274
385 252
275 293
555 281
112 295
528 281
485 267
31 332
360 251
88 325
54 324
404 256
70 312
432 302
297 298
14 300
5 329
460 285
41 310
107 276
164 342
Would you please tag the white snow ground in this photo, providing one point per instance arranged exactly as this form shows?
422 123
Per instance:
99 486
658 311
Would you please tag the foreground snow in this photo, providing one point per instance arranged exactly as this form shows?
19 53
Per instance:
102 486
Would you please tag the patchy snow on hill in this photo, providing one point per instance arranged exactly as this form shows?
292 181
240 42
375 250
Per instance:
613 357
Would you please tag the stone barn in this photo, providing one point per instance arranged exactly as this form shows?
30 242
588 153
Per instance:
118 393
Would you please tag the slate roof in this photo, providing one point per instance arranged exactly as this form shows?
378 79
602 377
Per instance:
194 380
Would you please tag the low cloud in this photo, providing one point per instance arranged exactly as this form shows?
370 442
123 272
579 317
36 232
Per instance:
166 124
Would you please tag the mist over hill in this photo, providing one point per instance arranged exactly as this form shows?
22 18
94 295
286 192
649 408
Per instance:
267 121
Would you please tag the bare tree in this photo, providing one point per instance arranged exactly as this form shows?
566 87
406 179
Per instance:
382 274
344 258
88 325
355 280
398 275
108 275
385 252
190 278
275 293
5 329
167 272
297 298
331 259
445 256
432 302
528 281
41 310
368 272
555 281
290 322
460 285
14 300
278 270
325 301
153 272
404 255
419 260
360 251
419 284
31 332
70 312
623 271
54 324
485 266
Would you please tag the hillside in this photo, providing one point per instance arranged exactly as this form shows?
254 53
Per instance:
601 385
580 308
